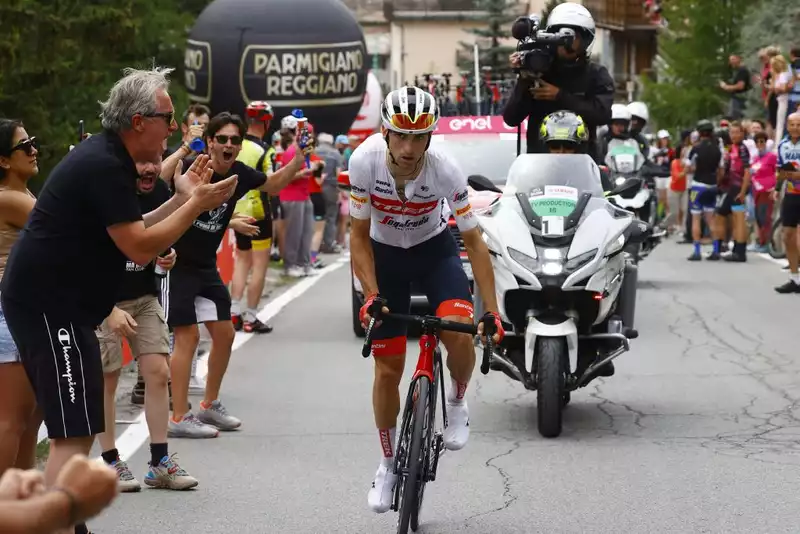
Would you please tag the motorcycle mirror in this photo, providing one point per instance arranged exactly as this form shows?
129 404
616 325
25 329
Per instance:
628 186
479 182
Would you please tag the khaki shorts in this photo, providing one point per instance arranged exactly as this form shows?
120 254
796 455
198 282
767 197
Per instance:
152 334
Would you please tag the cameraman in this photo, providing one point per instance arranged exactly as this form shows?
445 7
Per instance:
572 82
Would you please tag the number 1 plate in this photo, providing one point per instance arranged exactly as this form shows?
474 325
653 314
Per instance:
553 226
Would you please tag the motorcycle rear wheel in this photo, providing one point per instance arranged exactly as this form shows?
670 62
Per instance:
551 355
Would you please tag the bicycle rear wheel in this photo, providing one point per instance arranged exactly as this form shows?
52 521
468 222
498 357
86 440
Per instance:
414 458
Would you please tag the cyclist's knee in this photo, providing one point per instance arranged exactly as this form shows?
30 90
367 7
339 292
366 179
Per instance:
389 355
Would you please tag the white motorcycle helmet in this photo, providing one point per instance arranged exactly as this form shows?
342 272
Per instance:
619 112
639 109
571 15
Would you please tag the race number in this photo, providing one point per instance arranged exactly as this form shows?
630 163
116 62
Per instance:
553 226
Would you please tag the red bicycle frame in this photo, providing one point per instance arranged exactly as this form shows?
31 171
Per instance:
427 345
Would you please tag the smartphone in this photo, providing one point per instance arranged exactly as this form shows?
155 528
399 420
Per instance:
81 131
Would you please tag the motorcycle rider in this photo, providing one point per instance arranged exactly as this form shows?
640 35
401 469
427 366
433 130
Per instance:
564 132
640 116
618 129
572 82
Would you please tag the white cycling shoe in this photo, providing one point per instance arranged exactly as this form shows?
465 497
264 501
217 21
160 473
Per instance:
382 491
456 433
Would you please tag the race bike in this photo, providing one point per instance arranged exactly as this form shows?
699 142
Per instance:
625 161
557 248
775 246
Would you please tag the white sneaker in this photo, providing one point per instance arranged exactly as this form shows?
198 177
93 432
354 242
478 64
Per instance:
456 433
295 272
382 491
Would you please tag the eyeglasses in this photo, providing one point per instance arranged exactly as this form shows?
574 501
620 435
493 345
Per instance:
28 146
223 139
168 116
404 121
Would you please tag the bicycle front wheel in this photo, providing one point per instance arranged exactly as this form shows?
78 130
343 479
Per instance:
414 459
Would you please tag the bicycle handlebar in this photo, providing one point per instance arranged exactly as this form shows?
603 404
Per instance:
377 314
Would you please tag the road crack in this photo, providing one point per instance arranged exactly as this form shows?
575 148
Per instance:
508 494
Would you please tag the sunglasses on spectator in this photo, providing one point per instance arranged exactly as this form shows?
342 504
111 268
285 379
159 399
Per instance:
168 116
223 139
27 146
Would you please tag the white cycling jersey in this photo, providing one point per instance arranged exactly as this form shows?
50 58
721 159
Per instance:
440 188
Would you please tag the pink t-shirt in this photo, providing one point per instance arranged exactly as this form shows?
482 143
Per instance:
297 190
764 170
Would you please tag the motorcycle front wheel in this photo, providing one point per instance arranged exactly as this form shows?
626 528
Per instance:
551 356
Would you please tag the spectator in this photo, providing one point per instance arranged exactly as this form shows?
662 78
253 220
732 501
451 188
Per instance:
317 200
88 211
19 420
764 170
84 488
781 86
193 124
767 96
676 197
737 87
334 163
794 92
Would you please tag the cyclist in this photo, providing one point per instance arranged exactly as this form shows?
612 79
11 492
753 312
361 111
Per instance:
401 189
564 132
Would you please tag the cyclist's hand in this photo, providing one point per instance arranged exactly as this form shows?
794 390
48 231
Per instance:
365 316
499 332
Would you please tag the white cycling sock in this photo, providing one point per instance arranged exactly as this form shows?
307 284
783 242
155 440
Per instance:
457 392
236 307
387 437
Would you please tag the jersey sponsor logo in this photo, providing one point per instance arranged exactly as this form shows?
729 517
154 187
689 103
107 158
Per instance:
381 182
395 207
408 224
463 211
65 341
357 189
132 267
461 196
384 190
357 199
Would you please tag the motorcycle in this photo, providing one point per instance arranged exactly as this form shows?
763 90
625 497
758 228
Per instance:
557 248
625 161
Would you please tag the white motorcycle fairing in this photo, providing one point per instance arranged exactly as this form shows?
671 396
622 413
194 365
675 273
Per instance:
566 329
635 203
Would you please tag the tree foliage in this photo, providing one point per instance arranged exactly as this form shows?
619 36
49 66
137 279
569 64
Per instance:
60 58
694 59
493 53
548 7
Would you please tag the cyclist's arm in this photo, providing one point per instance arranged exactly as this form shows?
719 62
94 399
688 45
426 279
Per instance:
478 252
361 252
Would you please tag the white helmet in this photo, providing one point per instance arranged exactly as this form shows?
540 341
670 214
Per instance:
619 112
663 134
576 16
409 110
639 109
289 122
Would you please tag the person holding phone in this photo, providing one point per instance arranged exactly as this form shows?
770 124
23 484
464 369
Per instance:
789 171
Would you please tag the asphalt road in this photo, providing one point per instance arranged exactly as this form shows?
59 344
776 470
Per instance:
697 432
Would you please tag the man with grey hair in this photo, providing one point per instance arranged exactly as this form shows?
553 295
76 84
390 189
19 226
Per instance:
64 273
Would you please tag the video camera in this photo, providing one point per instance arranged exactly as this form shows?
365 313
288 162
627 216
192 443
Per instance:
537 48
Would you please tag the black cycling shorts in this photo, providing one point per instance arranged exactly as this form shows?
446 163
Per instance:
727 202
435 268
63 364
318 201
790 211
263 241
196 295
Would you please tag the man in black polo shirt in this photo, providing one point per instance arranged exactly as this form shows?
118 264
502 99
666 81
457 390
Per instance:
197 294
737 87
65 272
705 158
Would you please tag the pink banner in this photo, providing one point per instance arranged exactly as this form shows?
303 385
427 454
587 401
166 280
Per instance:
483 124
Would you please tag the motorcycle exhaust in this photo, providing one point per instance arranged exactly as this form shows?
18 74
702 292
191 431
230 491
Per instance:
625 347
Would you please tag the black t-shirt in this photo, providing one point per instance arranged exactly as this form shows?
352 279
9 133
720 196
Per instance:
140 280
741 75
65 261
197 248
706 156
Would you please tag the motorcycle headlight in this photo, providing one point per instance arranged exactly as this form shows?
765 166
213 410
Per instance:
615 246
579 261
530 263
620 180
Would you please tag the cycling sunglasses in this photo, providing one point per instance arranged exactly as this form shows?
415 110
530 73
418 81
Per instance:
403 121
223 139
168 116
27 146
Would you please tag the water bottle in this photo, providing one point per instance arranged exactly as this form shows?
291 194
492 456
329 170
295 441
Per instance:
197 144
160 271
302 128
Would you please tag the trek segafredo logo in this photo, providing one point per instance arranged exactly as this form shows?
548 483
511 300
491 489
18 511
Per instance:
66 347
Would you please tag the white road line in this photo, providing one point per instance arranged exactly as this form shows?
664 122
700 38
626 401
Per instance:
137 433
767 257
